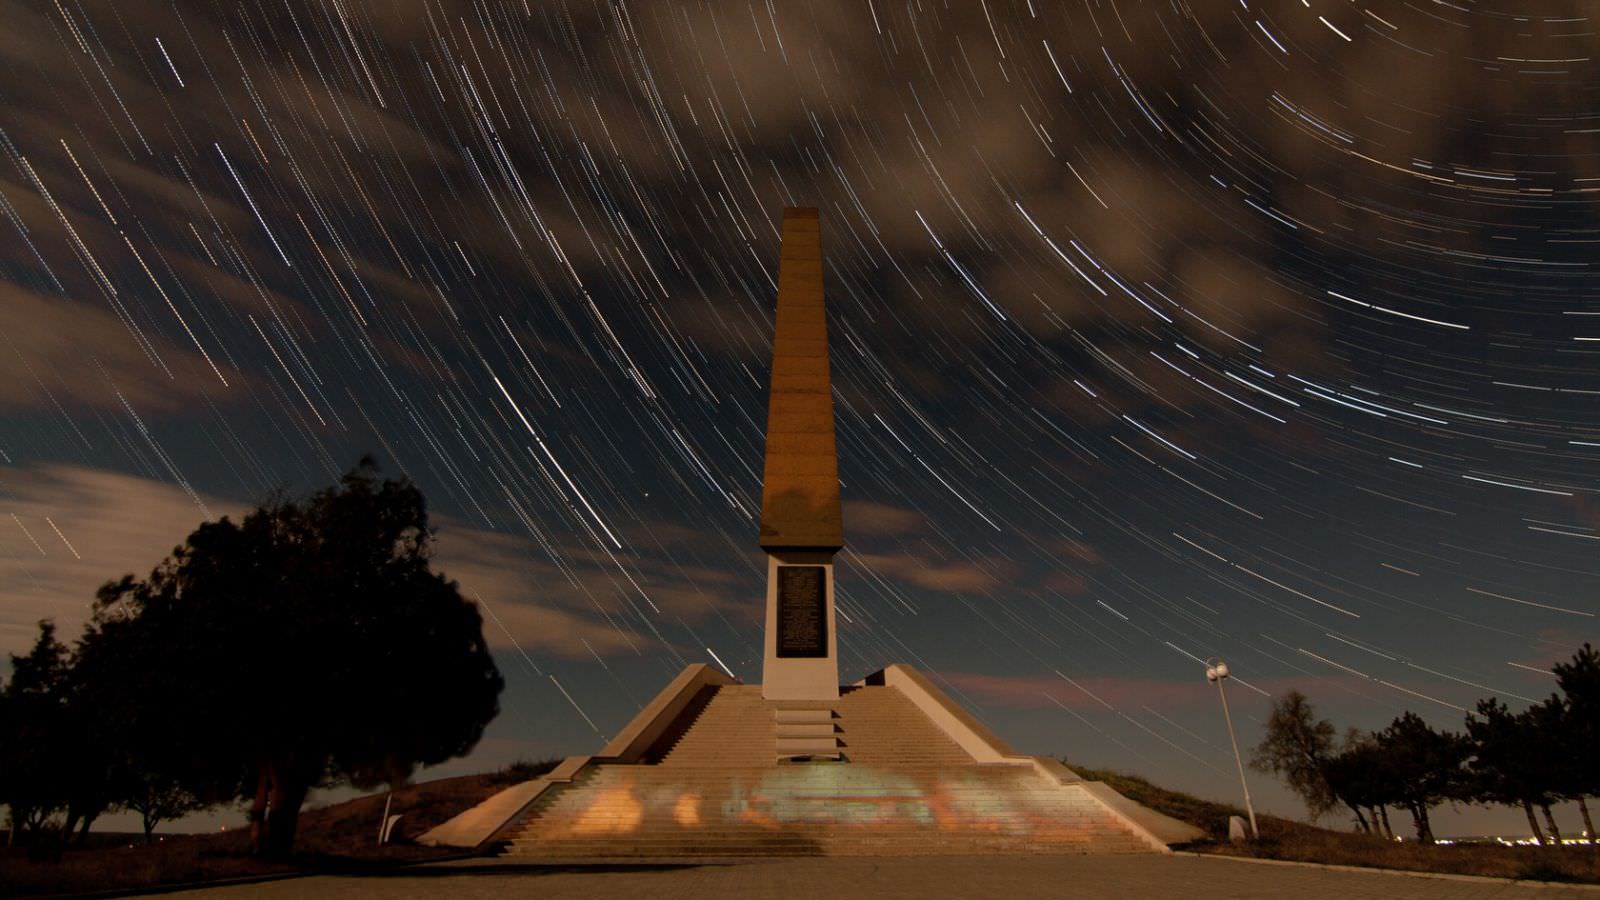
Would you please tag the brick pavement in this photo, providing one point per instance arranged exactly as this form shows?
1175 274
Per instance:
883 878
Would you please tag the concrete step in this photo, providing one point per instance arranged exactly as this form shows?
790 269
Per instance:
969 772
805 730
802 745
635 830
803 716
801 831
627 849
903 788
797 836
631 846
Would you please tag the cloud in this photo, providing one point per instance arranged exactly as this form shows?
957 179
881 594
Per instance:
587 605
965 119
451 146
871 519
956 576
65 530
1028 691
532 599
56 351
1129 694
876 526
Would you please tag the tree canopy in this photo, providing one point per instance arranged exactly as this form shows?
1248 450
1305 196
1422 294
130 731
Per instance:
1425 765
1579 680
1360 777
1297 746
308 643
33 731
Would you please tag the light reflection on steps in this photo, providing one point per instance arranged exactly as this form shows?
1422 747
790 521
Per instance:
905 789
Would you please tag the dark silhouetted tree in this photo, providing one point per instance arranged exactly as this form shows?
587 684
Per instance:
124 667
1428 766
1545 728
52 752
1361 778
1579 680
157 797
1504 762
33 735
307 644
8 725
1296 748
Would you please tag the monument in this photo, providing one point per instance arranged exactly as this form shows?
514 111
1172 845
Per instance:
801 525
800 765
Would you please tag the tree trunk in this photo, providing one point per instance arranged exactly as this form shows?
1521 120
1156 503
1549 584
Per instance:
1533 823
284 815
1551 821
1419 815
83 832
1388 829
1588 826
258 810
1360 819
70 825
149 823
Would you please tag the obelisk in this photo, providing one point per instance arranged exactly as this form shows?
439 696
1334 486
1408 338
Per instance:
801 526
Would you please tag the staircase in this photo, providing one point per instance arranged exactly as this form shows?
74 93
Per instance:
901 787
883 728
735 729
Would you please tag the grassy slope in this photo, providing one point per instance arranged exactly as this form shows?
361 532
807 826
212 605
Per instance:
338 837
1290 840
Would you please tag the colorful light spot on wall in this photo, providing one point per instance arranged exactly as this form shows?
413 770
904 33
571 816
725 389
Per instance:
686 811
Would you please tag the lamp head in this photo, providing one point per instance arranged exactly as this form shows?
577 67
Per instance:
1211 673
1222 670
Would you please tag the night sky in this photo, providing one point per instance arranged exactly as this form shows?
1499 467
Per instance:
1160 330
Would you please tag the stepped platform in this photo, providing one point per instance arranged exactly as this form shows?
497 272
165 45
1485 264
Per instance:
891 768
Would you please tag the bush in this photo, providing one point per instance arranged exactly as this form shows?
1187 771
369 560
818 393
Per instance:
524 770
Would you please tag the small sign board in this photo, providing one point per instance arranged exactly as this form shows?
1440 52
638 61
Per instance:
802 612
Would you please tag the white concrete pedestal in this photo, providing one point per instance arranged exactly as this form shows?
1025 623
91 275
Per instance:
800 677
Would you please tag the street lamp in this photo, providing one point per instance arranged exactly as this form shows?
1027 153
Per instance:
1216 671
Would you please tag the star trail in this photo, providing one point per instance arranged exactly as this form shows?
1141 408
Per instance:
1160 331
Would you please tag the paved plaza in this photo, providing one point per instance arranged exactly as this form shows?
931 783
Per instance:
925 878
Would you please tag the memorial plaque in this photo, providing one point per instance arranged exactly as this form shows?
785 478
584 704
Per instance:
802 612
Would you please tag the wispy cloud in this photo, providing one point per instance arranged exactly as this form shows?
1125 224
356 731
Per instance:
81 356
65 530
1036 692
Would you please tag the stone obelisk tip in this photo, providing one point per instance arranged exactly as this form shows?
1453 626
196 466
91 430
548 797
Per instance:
800 483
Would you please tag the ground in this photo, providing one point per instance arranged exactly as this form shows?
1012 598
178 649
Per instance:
338 837
929 878
340 840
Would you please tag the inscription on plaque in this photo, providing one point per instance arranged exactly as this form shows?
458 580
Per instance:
802 612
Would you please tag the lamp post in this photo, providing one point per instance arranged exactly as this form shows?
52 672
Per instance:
1216 671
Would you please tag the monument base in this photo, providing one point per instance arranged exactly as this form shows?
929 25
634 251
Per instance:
802 655
695 775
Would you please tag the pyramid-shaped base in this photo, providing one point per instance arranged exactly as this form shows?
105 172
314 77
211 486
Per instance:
906 772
